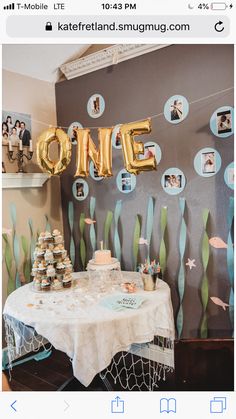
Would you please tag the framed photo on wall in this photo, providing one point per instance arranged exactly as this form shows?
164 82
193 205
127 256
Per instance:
16 126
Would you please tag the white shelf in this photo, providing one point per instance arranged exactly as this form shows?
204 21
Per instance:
23 180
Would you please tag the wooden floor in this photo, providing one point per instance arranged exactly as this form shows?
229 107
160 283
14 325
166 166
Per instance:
200 366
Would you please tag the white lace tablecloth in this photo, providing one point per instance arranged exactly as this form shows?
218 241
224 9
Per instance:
75 321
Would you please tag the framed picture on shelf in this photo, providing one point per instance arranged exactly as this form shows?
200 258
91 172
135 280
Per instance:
16 126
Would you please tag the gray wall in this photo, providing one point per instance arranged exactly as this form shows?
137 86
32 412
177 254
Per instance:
136 89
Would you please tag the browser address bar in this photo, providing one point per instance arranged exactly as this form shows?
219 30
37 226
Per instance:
118 26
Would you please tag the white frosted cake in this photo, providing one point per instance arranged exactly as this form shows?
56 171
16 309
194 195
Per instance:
102 257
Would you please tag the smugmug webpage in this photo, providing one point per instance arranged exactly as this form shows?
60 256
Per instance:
117 209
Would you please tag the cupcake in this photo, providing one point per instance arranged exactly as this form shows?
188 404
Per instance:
67 280
48 256
56 232
37 284
42 268
35 268
60 268
51 271
45 285
57 252
68 265
48 237
57 285
58 239
40 254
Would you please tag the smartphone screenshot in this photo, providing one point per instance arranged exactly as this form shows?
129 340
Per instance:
117 291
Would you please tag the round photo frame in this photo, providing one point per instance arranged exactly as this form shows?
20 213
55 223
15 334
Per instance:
96 105
176 109
207 162
151 149
70 132
125 181
229 175
80 189
93 172
222 122
116 137
173 181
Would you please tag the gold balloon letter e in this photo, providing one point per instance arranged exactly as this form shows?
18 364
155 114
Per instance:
132 148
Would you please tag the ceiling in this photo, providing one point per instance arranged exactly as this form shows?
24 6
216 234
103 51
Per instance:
40 61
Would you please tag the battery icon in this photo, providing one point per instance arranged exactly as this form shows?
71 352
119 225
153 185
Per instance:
218 6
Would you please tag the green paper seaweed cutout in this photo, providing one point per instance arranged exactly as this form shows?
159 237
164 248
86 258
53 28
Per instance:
16 247
82 246
181 275
8 256
92 232
26 262
149 225
117 245
71 224
162 253
205 286
107 227
136 237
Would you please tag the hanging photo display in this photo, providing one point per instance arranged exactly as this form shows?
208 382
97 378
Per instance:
173 181
93 172
229 175
151 149
80 189
176 109
126 182
207 162
116 137
71 131
96 105
222 122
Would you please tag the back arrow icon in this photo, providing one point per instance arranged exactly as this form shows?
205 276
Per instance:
12 405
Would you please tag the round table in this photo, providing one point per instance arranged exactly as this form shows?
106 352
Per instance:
77 322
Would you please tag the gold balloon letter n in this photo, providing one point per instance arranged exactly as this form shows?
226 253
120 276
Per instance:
132 148
102 158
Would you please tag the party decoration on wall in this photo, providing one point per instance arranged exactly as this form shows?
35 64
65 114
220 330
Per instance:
176 109
26 261
8 256
72 131
107 227
43 159
32 240
207 162
152 149
91 221
173 181
149 225
132 148
47 226
162 252
94 172
143 241
96 105
219 302
126 182
117 245
102 158
230 259
181 274
71 224
222 122
205 286
191 264
116 137
82 247
229 175
136 236
16 247
218 243
80 189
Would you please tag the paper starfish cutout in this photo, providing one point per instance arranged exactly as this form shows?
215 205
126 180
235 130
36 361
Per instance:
191 264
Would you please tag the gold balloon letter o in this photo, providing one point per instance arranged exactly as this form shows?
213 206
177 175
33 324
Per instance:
44 141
